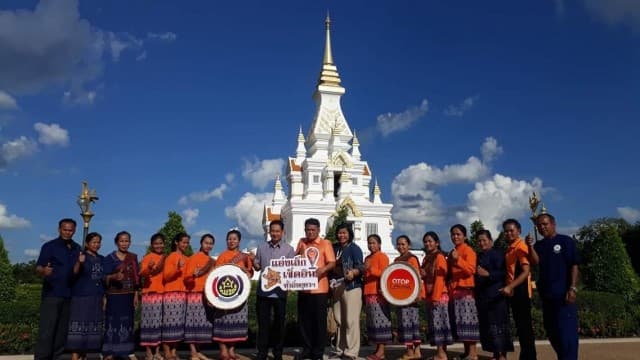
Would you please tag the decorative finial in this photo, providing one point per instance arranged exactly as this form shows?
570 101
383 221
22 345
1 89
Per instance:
300 135
278 184
329 75
376 188
543 210
355 139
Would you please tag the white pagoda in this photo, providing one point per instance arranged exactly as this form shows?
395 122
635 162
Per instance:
327 172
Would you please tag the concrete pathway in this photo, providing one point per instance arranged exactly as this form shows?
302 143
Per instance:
590 349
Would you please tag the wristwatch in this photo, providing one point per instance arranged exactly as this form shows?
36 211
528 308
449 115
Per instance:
574 289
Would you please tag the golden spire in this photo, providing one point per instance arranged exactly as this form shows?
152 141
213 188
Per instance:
329 74
376 188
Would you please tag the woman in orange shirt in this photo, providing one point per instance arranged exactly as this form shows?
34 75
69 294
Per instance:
462 265
434 274
409 316
231 326
376 307
198 329
152 289
175 296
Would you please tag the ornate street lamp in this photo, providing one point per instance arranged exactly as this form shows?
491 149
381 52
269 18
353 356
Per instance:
534 201
85 199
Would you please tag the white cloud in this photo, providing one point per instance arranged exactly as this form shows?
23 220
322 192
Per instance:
32 253
16 149
198 234
45 237
416 201
167 36
613 12
498 198
141 56
8 221
52 134
229 178
52 44
462 108
262 172
629 214
490 149
247 212
190 216
7 101
202 196
389 123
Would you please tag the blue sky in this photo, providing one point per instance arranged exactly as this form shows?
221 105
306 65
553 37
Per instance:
461 108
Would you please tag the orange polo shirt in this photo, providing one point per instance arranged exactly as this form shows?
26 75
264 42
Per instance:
377 261
151 283
439 279
237 258
518 251
199 261
174 276
325 255
413 261
463 270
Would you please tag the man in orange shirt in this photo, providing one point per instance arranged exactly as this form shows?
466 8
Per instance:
518 287
312 304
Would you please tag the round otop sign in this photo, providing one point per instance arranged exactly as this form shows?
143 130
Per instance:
400 284
227 287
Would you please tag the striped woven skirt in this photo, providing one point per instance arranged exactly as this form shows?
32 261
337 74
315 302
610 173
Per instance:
378 319
86 324
118 335
197 328
409 324
438 322
151 319
231 326
174 306
463 315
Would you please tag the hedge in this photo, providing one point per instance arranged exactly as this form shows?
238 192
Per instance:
600 315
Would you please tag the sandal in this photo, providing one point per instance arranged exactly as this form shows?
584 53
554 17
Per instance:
375 357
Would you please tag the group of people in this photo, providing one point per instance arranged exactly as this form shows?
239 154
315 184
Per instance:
89 301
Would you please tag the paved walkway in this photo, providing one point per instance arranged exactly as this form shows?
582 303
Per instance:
590 349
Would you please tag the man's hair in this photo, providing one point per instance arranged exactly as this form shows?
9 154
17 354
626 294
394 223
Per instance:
67 221
512 221
277 222
551 217
312 221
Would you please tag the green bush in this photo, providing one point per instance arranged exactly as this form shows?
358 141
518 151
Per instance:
17 338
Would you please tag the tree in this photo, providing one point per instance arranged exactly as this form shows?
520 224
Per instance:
473 237
338 219
500 242
7 281
25 273
631 239
605 263
170 229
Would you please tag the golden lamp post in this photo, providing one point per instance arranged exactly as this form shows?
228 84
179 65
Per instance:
534 201
85 199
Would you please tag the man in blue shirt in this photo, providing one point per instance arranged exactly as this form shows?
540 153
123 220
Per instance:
557 259
55 266
274 301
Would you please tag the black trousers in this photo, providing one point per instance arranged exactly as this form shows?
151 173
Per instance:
312 317
54 326
521 309
268 329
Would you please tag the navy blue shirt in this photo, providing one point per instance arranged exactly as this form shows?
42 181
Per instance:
348 258
61 258
557 255
488 287
89 281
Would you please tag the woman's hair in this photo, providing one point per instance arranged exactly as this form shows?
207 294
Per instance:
404 237
459 227
234 231
207 235
484 232
434 236
176 239
157 236
115 239
376 237
90 237
348 228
